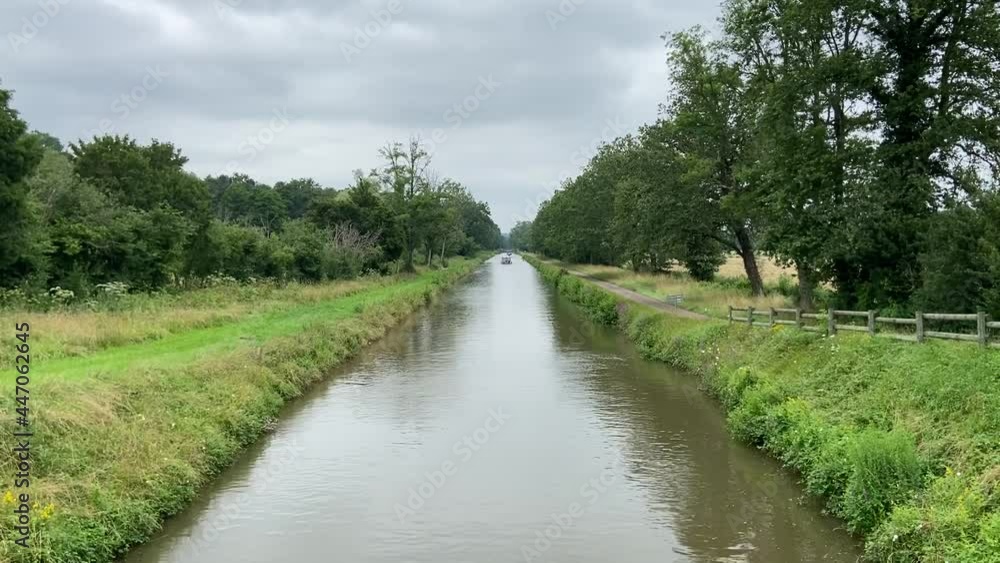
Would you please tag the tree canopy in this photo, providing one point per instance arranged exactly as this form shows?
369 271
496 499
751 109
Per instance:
855 140
113 209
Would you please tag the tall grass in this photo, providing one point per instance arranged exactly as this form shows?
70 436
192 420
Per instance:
80 330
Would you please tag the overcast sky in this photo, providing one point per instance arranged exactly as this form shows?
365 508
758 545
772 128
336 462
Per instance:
511 94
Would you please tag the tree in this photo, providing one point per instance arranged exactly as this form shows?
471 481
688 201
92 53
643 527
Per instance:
404 173
710 124
520 236
253 205
21 251
144 177
934 92
48 142
805 72
298 195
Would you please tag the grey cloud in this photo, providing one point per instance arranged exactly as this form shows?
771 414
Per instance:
230 63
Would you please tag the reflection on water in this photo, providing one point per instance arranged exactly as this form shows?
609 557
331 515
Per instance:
501 426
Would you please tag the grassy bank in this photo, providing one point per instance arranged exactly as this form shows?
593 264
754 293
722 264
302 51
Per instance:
131 421
903 441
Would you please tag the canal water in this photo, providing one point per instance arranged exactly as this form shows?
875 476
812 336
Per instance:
500 426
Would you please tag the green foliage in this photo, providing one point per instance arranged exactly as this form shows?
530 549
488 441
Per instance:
885 471
960 262
112 210
21 255
143 177
520 236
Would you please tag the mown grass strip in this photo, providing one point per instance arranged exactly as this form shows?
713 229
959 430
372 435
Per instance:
178 349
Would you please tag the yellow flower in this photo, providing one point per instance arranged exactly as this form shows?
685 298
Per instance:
47 511
8 497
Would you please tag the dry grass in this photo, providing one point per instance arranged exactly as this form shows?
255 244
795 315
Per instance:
770 270
712 299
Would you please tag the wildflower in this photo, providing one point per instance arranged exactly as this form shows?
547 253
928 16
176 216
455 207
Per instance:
47 511
8 497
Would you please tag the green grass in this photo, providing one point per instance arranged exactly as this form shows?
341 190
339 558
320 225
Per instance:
180 348
126 435
81 329
902 440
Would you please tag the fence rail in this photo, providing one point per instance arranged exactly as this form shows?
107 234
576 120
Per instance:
827 323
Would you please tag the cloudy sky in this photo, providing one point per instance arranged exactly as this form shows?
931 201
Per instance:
510 94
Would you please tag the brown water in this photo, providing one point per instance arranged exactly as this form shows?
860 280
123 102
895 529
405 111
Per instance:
500 426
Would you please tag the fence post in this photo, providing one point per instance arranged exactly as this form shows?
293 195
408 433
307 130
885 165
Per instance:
981 328
920 326
871 323
750 316
798 318
730 314
770 317
831 325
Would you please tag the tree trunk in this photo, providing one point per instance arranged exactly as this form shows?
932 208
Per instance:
443 264
408 263
807 287
430 255
747 252
408 259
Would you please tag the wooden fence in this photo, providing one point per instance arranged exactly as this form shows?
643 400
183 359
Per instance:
871 323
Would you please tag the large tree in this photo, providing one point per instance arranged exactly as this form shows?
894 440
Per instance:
142 176
404 174
711 118
21 246
811 151
935 91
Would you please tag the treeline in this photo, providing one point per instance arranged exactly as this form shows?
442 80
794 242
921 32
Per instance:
857 141
112 210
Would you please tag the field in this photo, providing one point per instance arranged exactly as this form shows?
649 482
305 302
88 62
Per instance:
899 439
709 298
136 406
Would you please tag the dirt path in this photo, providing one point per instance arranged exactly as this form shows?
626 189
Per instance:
640 298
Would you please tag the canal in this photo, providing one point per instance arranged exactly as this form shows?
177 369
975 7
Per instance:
500 426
